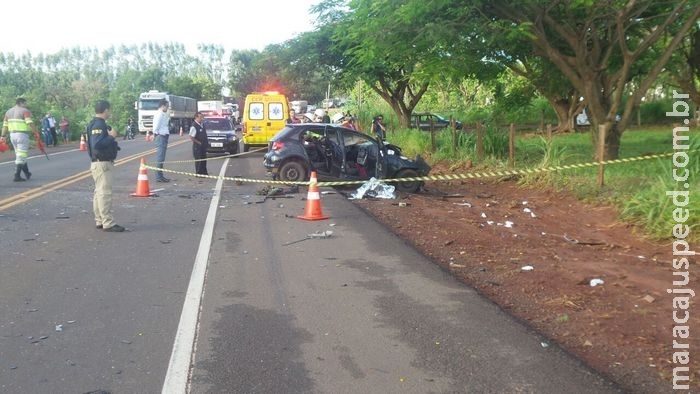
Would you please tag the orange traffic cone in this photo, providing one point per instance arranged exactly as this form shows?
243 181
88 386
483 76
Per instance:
313 201
83 146
142 189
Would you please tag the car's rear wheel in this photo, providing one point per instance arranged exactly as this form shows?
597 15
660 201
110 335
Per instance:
246 147
408 186
292 171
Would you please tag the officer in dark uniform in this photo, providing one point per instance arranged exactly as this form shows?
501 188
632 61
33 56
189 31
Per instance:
200 143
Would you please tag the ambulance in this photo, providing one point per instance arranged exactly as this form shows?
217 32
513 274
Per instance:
264 114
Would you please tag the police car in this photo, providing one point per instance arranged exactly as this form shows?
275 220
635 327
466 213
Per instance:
221 135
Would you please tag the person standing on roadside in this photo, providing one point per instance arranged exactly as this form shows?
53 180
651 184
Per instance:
64 126
200 143
292 119
51 124
161 130
102 148
349 122
378 127
18 121
45 132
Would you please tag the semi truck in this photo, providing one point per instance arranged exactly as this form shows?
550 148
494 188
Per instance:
181 110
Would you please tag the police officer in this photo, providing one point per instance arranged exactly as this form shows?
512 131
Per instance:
102 149
200 143
18 121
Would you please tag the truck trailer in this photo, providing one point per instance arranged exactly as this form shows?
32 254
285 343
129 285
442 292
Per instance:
211 107
181 110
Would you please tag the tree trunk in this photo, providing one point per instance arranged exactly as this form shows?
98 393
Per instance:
566 115
397 95
612 141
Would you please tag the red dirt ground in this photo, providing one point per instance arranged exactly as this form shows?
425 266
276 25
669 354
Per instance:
622 328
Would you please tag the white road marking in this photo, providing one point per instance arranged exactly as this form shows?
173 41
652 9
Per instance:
176 379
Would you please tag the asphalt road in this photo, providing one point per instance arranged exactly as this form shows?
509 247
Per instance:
213 290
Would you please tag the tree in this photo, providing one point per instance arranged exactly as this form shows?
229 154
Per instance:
381 44
599 46
687 65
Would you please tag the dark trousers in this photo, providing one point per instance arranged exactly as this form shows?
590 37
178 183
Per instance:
199 152
54 136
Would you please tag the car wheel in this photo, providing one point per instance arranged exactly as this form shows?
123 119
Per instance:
246 147
408 186
292 171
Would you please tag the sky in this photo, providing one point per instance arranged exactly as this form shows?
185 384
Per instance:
47 26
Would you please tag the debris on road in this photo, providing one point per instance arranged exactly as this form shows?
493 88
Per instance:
374 188
318 234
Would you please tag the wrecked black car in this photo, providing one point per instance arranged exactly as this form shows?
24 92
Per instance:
339 154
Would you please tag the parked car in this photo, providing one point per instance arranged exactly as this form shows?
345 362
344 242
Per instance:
337 153
426 120
221 135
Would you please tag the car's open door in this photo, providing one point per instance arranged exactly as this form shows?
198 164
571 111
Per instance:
333 150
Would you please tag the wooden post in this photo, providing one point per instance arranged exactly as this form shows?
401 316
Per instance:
511 146
549 131
542 120
479 142
602 131
454 134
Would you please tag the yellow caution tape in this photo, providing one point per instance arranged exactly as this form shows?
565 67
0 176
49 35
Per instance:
446 177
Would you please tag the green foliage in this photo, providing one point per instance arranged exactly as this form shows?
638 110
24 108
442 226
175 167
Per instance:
652 209
495 142
551 154
654 112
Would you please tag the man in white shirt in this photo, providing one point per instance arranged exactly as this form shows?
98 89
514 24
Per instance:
161 130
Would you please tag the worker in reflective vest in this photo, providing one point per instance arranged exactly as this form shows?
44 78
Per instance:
18 122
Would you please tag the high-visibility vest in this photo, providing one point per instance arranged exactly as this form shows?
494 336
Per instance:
18 120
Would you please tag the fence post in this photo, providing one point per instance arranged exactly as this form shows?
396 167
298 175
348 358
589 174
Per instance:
454 134
602 131
479 142
511 146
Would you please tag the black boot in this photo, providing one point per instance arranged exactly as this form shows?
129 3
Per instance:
25 168
18 171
